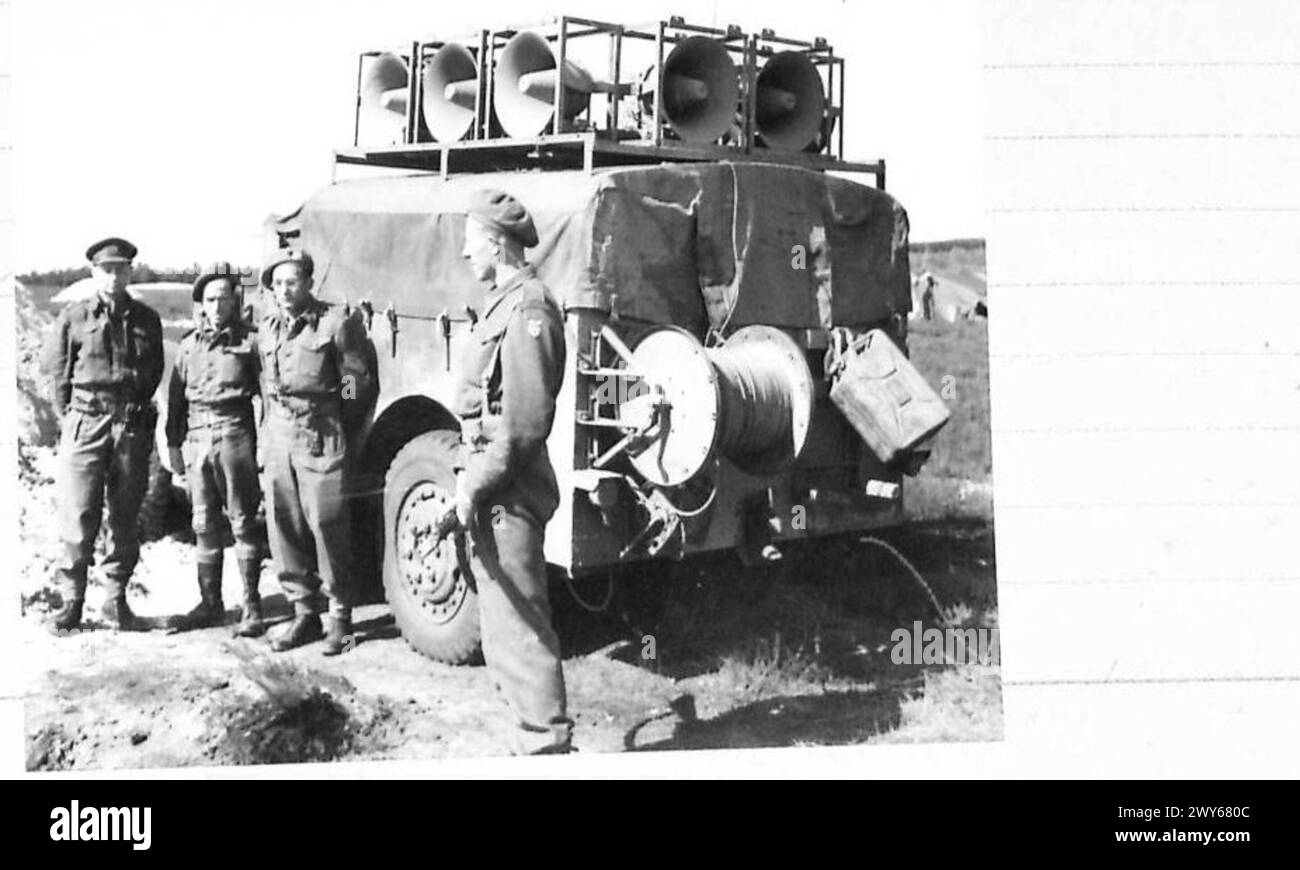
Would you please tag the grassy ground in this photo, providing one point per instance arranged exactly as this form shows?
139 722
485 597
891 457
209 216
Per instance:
958 479
961 261
799 653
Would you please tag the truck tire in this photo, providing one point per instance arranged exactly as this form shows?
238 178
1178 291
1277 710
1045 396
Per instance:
432 594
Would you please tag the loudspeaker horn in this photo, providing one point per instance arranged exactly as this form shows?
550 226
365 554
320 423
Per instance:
790 102
701 89
450 92
384 91
526 78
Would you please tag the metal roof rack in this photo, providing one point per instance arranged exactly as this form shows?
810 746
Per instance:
589 139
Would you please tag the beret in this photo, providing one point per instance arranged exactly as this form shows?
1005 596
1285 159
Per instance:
290 255
213 272
111 250
502 211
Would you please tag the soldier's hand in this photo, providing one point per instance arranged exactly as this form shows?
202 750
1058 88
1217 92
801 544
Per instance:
464 506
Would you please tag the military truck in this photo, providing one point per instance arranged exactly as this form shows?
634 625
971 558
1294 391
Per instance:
736 315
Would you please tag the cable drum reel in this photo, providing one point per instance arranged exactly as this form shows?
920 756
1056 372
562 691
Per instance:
748 400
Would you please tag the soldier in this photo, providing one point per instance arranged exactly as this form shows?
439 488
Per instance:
105 359
210 411
318 383
927 296
506 492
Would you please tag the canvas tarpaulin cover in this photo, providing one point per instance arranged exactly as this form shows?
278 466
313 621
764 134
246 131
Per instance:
717 245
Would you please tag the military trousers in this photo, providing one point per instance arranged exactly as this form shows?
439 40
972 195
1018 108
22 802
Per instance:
221 474
103 462
520 645
307 516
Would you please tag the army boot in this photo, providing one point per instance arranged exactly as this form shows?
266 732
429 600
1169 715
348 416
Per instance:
339 638
68 616
211 610
555 738
304 629
251 624
117 613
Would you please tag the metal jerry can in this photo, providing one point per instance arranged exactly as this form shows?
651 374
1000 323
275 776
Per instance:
883 395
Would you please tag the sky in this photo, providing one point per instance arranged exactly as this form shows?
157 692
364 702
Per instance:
182 125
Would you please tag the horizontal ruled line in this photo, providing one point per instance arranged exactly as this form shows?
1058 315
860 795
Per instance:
1129 681
1123 354
1151 283
1171 209
1149 64
1144 505
1047 137
1139 581
1110 430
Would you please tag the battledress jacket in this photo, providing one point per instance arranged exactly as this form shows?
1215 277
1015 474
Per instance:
511 373
91 350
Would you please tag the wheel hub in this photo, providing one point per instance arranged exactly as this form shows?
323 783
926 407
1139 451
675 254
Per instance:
434 575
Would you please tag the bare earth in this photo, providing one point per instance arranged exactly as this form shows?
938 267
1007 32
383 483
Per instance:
798 655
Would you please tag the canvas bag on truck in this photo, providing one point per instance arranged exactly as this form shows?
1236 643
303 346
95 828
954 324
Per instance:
883 395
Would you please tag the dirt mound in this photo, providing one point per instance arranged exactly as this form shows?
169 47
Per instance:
319 727
37 527
38 433
51 748
152 712
37 424
303 716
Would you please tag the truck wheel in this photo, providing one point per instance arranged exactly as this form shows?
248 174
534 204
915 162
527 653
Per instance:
431 591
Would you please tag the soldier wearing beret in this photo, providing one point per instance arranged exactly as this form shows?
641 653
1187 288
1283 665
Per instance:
105 359
507 490
210 411
318 380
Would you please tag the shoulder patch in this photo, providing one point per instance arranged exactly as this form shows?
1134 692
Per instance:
535 327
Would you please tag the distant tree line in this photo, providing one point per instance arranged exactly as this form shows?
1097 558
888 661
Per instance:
141 273
946 245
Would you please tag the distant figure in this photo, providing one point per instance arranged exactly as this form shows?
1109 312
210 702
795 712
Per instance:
927 296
